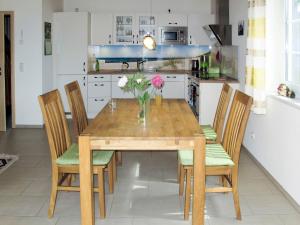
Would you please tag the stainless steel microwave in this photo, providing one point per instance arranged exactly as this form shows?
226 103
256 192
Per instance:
173 35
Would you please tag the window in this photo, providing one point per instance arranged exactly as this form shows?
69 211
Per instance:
293 43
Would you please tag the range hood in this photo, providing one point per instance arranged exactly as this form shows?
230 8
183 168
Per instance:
222 30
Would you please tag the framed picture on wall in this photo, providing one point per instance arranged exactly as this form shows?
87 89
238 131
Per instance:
48 39
241 27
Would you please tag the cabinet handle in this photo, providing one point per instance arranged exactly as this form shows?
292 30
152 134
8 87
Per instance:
168 77
101 85
84 84
170 23
176 23
119 77
97 100
174 76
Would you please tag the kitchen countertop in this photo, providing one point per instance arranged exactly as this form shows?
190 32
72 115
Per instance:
221 79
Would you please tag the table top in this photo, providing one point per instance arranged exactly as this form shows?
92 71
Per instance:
172 119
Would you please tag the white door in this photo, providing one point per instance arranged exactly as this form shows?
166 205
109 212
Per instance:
62 80
71 40
101 29
173 90
197 35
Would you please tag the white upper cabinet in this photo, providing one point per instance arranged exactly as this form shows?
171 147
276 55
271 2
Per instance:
101 29
125 29
147 24
197 35
131 29
172 20
71 39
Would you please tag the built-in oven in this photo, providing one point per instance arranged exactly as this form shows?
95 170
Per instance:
194 96
173 35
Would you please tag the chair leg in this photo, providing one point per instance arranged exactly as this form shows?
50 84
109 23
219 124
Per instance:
111 176
53 193
187 200
101 188
236 195
114 167
181 179
223 181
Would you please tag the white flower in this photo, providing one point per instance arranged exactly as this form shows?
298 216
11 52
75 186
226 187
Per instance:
122 82
139 81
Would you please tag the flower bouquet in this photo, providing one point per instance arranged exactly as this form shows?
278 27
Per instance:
138 85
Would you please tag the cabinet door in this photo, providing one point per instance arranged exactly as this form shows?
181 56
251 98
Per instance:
99 89
71 40
124 29
173 90
118 92
62 80
147 24
172 20
101 29
197 35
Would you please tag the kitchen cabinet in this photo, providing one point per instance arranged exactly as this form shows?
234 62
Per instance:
196 33
70 42
117 92
99 93
101 29
131 29
172 20
209 98
174 87
62 80
124 29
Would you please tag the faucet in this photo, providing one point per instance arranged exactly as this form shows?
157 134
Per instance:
140 65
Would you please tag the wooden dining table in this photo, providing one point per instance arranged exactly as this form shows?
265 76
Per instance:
170 126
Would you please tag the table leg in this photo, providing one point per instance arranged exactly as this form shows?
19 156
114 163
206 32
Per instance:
86 182
199 181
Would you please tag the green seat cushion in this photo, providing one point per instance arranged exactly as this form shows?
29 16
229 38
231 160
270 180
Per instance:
71 157
215 156
209 132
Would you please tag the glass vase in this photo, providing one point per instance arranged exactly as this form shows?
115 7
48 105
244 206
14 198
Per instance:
158 97
144 108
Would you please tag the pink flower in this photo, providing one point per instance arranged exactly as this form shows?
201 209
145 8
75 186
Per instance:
157 81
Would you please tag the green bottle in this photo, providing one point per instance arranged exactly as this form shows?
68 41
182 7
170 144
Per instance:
97 65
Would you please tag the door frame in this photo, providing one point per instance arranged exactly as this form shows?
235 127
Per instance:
12 54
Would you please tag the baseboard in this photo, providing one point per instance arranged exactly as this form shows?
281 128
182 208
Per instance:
21 126
273 180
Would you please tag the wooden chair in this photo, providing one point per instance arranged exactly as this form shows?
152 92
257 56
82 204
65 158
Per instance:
65 155
79 116
213 133
221 159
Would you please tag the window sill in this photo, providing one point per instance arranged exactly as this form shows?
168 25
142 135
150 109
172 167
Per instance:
295 103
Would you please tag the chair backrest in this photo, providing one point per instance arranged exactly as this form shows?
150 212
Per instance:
222 107
56 123
76 104
236 125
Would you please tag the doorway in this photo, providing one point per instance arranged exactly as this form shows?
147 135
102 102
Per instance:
6 71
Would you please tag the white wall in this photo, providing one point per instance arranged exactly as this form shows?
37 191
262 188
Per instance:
275 144
28 54
132 6
49 7
238 10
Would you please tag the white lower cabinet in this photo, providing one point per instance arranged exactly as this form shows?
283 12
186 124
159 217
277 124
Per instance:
62 80
99 93
173 90
95 105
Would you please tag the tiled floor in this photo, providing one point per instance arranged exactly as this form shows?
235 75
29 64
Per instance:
146 192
